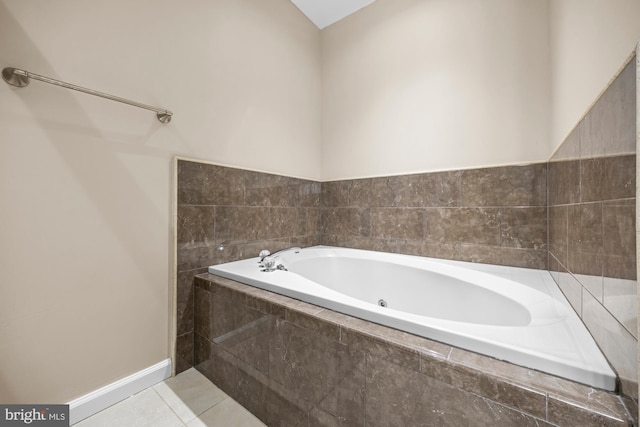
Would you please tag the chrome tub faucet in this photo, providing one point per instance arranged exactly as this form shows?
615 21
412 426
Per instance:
268 260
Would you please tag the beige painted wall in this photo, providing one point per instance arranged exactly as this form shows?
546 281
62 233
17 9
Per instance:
415 85
85 183
590 42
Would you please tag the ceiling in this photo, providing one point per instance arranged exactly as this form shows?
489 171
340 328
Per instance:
325 12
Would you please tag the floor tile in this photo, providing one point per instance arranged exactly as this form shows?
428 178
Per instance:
186 399
189 394
145 409
227 413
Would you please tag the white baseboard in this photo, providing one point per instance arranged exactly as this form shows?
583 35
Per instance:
97 400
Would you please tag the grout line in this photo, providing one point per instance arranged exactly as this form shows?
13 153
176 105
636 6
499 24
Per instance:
196 416
546 406
166 404
602 266
365 392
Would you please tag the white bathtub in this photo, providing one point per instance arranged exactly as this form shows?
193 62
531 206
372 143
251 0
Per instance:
514 314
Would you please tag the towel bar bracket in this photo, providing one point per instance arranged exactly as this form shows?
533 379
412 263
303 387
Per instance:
10 76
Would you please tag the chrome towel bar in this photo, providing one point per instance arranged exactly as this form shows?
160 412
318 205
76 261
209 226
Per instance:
20 78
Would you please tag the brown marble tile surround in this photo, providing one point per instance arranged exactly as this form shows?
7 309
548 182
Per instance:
295 364
226 214
592 212
490 215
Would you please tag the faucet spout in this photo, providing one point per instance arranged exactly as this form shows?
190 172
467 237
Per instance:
294 249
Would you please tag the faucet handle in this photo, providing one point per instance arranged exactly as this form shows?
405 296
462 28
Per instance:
263 254
269 264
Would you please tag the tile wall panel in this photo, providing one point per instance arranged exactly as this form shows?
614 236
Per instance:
504 186
524 227
495 215
225 214
592 212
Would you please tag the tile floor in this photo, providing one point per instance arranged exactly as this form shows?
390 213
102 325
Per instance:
188 399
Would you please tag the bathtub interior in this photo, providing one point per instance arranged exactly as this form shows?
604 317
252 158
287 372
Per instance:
513 314
369 281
